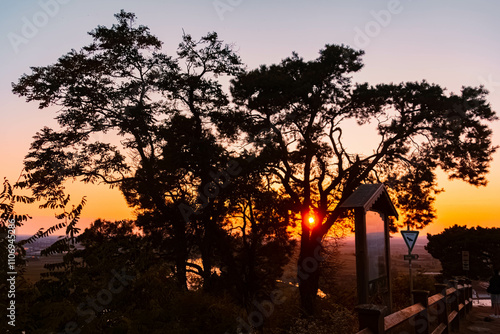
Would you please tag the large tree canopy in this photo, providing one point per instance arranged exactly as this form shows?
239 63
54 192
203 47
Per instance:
161 108
167 150
295 113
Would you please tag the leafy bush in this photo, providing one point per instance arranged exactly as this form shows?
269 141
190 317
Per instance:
335 320
401 297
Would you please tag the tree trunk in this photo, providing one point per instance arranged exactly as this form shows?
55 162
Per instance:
206 248
181 257
308 271
206 258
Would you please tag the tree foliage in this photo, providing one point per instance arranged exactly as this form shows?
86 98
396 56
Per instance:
161 107
483 245
169 115
118 283
11 252
295 113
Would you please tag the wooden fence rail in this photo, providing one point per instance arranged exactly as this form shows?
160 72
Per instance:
437 314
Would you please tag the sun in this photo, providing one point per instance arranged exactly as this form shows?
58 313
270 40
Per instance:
311 220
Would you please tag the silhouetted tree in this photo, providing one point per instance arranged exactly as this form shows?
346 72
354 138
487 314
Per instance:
294 113
122 84
483 245
259 220
13 255
121 285
11 220
174 164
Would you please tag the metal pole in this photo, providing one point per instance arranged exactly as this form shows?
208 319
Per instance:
411 276
411 282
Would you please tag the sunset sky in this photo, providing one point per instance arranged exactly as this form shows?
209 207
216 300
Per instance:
451 43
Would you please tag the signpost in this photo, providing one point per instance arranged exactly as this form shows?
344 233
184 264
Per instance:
465 260
410 238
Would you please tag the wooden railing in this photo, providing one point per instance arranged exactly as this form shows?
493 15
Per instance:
440 313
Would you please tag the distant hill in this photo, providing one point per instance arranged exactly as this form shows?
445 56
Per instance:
33 249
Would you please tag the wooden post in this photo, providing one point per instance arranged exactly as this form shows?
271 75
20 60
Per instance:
388 261
468 294
442 306
455 324
361 256
372 317
461 297
422 319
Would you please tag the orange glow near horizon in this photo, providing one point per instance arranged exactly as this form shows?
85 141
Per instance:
102 203
460 204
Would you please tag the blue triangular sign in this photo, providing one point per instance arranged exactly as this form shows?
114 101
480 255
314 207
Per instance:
410 238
